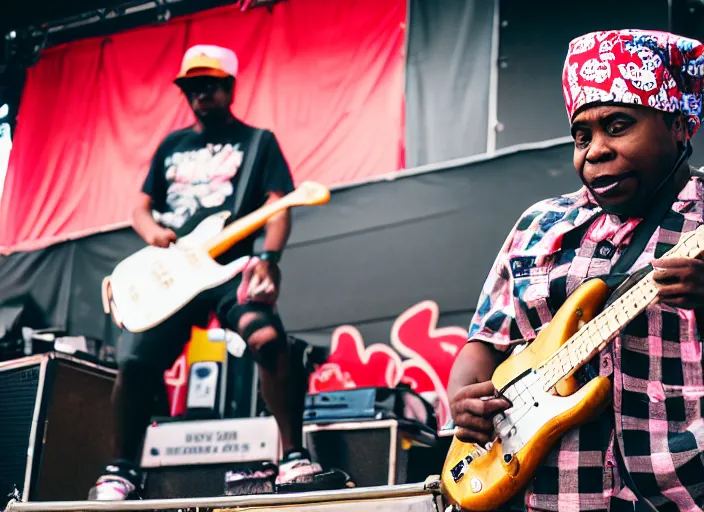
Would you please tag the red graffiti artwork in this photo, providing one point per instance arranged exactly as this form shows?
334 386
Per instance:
429 352
175 379
418 354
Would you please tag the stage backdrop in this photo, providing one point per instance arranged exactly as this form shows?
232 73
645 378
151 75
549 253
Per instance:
327 77
387 274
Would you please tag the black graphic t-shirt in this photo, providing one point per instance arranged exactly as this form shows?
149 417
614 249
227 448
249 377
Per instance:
191 171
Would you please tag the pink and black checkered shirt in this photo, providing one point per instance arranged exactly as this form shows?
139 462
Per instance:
657 415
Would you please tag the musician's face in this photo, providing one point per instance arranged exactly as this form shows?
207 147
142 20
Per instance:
622 154
209 97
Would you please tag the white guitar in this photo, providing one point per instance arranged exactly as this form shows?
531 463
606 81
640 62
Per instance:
154 283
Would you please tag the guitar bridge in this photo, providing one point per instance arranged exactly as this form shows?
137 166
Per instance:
192 258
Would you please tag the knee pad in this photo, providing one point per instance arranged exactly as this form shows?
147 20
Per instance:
267 354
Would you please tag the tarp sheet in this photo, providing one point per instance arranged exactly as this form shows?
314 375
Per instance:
534 40
327 77
386 275
447 84
362 259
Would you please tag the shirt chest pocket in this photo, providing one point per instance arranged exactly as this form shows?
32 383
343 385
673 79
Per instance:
531 279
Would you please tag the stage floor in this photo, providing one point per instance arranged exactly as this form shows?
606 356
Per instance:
422 497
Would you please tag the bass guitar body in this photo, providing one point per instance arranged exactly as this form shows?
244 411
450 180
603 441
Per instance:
546 400
478 478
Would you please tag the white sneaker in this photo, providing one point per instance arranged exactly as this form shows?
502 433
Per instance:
112 488
292 470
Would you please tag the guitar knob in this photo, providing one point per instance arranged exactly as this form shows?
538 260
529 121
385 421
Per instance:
475 484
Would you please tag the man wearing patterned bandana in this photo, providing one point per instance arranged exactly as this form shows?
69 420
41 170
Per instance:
634 100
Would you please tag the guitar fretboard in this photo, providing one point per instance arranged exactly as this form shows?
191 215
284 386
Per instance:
595 335
307 194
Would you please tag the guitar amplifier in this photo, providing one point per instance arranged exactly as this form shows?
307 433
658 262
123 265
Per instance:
189 459
55 426
373 453
371 404
368 432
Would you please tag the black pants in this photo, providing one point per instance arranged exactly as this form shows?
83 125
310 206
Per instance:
158 348
143 357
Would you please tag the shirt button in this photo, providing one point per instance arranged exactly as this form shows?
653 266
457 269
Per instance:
606 249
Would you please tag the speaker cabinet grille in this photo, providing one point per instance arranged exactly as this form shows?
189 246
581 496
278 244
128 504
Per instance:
17 400
370 452
78 427
68 403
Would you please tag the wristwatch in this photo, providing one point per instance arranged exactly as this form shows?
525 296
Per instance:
272 256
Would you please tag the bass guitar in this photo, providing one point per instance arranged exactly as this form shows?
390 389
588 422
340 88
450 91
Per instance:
546 400
154 283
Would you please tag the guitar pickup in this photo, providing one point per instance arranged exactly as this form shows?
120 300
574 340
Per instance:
193 258
461 468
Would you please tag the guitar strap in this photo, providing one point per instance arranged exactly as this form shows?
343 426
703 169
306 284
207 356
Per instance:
644 231
640 238
666 194
641 235
244 181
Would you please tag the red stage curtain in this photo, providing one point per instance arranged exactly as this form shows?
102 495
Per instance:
327 77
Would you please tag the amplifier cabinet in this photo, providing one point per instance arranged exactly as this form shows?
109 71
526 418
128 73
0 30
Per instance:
188 459
373 453
55 426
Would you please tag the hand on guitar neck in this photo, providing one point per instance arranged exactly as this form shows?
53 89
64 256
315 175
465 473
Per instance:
680 282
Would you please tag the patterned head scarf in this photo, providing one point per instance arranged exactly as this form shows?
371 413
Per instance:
655 69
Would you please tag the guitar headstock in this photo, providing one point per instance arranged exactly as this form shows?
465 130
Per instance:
309 193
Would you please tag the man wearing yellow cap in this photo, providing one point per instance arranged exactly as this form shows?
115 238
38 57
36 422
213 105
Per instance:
195 169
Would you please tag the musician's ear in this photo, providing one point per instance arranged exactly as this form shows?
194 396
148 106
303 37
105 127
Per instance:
229 85
678 125
680 130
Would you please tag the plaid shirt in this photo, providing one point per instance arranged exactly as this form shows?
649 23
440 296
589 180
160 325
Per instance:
655 364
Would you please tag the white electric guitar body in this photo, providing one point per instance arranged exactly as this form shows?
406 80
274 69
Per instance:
154 283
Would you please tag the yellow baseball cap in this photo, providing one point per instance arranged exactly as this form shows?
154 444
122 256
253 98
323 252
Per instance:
207 60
